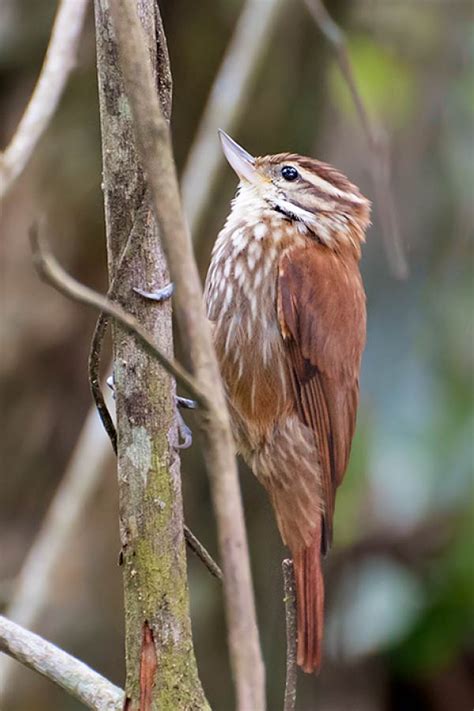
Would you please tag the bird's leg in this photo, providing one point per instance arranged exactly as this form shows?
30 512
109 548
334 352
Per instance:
163 294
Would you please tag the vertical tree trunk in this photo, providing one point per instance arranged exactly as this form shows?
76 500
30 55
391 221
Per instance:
161 668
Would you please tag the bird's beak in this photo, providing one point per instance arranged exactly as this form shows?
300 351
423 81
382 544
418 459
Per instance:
241 161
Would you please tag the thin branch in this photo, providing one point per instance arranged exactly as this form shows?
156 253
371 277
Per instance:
94 378
202 553
226 103
379 163
154 147
59 61
69 673
51 272
290 616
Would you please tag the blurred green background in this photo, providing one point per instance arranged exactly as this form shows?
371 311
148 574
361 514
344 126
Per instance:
400 578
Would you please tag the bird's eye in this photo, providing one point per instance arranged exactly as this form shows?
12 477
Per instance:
289 173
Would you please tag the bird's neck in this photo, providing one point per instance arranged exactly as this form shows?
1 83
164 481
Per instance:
335 230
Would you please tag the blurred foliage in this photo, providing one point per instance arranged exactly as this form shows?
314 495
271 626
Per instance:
372 64
400 577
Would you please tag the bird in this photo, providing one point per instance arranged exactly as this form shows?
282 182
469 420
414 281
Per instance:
287 307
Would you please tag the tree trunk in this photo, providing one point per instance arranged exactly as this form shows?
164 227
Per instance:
160 662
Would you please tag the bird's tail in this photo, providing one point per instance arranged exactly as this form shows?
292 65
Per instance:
309 586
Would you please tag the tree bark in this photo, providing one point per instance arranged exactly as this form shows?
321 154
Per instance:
160 663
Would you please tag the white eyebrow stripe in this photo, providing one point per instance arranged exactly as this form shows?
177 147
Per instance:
329 188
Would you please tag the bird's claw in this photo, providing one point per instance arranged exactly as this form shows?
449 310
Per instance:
184 432
163 294
111 384
186 403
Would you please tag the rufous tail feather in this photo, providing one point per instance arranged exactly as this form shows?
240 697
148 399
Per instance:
309 586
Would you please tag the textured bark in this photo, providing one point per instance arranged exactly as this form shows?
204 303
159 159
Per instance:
151 517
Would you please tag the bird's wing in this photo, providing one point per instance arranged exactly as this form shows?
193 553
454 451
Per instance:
322 318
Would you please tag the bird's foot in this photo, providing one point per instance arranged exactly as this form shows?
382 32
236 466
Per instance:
184 432
163 294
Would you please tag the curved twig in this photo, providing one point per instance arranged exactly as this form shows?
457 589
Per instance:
50 271
226 102
93 366
376 141
58 64
98 335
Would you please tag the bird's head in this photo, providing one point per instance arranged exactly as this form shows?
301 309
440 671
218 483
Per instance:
318 198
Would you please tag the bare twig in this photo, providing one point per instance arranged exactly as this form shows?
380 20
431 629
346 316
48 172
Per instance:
51 272
58 64
154 147
379 163
202 553
290 616
69 673
226 102
94 378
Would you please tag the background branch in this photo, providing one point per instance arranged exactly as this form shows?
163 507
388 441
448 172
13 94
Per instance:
154 146
377 144
226 103
59 62
69 673
202 553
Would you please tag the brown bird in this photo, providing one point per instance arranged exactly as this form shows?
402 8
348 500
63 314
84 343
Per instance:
286 301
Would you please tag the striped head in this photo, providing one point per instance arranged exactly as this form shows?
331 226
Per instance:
318 199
